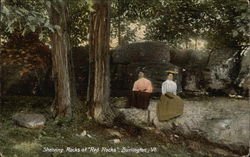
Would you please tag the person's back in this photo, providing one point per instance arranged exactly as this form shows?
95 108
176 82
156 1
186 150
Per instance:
143 85
141 92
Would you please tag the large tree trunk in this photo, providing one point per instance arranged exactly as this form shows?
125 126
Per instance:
65 93
99 73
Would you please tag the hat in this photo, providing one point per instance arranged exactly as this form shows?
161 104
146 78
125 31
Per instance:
172 71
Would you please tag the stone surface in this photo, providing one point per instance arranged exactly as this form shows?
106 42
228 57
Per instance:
199 71
142 52
215 70
150 57
29 120
222 121
138 117
119 102
243 79
221 74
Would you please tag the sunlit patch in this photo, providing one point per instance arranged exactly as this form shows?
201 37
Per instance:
27 147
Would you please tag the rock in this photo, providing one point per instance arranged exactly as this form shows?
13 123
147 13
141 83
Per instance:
120 102
214 71
1 155
29 120
211 119
221 69
84 134
142 52
115 141
138 117
150 57
220 75
243 79
192 80
114 133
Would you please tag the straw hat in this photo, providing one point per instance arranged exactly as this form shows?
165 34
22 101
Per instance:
172 71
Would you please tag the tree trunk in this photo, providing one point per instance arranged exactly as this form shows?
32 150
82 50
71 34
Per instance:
62 66
119 32
99 73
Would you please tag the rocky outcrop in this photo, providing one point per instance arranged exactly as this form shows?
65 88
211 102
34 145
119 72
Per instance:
243 79
213 71
150 57
142 52
217 71
31 121
221 69
219 120
208 70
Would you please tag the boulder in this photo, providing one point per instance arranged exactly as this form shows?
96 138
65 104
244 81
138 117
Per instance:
150 57
207 70
221 71
31 121
211 119
119 102
141 52
243 79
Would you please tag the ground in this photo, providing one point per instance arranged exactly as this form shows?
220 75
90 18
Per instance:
16 141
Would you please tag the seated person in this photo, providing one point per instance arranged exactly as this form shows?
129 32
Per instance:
170 105
141 92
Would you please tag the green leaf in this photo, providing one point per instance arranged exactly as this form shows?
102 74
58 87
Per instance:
57 27
242 29
48 4
235 33
41 36
19 13
25 11
5 10
30 18
32 28
24 31
50 27
11 22
11 29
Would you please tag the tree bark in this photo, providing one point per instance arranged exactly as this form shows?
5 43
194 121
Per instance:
99 73
62 65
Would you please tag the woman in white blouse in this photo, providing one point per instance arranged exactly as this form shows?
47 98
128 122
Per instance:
169 86
170 105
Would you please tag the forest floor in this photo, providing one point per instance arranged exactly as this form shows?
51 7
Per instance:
83 135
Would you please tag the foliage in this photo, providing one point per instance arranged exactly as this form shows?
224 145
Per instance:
24 16
224 26
243 20
223 23
124 13
78 22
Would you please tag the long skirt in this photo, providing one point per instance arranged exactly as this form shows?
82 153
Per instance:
139 99
169 106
